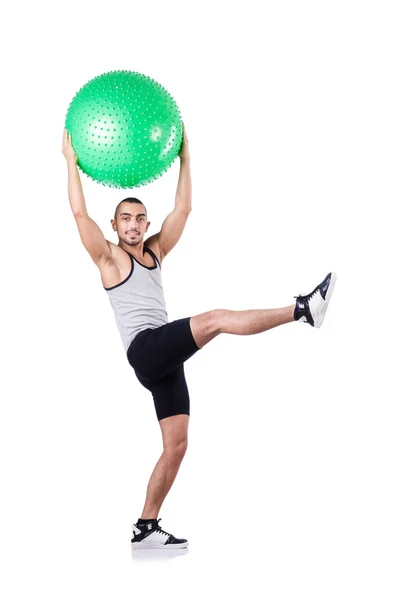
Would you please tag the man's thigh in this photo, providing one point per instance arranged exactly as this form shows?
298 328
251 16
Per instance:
162 350
171 397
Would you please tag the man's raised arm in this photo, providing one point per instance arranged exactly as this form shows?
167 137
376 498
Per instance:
174 224
91 235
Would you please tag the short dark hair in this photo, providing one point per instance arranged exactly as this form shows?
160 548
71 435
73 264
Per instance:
133 201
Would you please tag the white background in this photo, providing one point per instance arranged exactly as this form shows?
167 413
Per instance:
288 486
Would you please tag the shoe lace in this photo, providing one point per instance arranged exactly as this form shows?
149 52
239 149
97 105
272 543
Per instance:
308 296
160 530
137 531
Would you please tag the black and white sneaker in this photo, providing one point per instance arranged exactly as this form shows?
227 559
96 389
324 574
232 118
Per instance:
312 307
151 536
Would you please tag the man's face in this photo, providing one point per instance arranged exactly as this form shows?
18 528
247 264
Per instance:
131 224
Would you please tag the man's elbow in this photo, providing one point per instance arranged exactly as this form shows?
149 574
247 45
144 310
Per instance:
187 210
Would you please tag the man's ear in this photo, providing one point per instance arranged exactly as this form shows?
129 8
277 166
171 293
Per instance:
147 225
113 223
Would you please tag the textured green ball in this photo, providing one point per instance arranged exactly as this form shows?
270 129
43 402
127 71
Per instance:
126 129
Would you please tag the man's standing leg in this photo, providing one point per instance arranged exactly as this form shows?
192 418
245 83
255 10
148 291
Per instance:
175 435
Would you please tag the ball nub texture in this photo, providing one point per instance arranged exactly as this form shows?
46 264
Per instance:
126 129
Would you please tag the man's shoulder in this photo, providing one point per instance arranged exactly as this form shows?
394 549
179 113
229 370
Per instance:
153 243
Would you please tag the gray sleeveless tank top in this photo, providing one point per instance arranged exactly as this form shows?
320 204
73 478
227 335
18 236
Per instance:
138 301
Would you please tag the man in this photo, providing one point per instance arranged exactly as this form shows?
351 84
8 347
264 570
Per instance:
155 348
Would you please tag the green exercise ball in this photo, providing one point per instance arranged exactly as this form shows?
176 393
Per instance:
126 129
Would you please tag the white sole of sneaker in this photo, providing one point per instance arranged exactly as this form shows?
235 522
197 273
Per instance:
319 321
139 546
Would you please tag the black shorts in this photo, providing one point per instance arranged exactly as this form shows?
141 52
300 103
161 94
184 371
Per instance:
157 357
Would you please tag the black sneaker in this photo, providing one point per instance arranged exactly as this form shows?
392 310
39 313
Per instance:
312 307
151 535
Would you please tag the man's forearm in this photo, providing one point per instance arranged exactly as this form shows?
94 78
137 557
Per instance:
76 196
183 197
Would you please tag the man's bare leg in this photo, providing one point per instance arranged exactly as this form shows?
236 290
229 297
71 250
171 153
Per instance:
207 326
174 431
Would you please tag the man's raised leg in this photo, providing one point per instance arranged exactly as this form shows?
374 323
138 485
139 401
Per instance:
208 325
310 308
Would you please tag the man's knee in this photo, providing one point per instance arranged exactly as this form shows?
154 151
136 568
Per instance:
208 325
175 450
217 320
